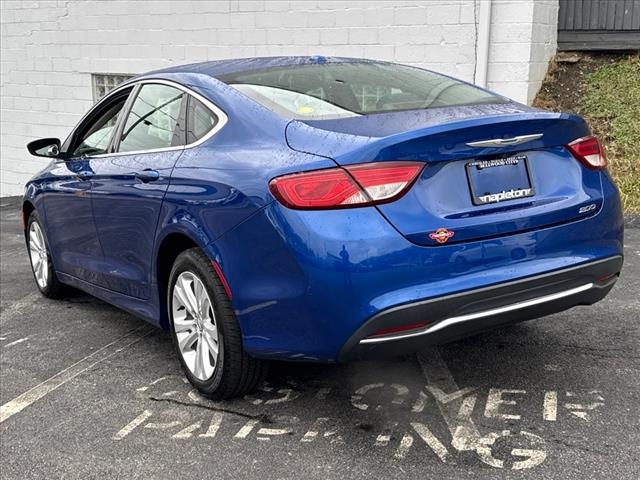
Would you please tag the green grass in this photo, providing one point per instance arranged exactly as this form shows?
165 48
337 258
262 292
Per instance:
612 105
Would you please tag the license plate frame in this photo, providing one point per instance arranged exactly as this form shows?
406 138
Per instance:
522 188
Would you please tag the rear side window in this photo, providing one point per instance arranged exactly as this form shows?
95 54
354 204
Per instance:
336 90
200 120
152 122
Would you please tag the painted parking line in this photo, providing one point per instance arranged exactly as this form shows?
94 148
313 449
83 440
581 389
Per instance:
16 342
36 393
455 406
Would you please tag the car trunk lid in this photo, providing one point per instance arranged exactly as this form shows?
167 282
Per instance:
488 171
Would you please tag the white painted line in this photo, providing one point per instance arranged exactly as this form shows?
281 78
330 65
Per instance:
36 393
453 408
421 403
214 426
532 458
580 410
274 431
312 434
132 425
405 446
496 399
430 439
162 426
448 397
466 409
246 429
16 342
580 406
289 395
550 406
187 432
356 398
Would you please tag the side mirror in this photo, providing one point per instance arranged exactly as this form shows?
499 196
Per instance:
45 147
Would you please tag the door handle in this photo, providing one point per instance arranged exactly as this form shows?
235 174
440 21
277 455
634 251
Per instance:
85 175
148 175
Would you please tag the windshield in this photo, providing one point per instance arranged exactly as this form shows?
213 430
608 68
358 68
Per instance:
338 90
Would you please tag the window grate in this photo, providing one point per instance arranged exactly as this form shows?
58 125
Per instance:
103 83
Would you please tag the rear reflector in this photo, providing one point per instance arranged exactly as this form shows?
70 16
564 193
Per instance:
589 152
604 278
399 329
352 186
222 278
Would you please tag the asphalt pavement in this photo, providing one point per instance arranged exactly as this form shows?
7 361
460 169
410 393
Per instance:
88 391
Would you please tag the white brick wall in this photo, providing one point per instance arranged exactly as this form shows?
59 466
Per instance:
50 48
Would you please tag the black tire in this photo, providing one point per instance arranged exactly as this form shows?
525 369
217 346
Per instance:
53 288
236 373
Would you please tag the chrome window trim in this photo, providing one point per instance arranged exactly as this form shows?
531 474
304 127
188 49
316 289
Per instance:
485 313
222 118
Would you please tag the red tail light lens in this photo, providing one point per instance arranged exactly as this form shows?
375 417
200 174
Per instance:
352 186
589 152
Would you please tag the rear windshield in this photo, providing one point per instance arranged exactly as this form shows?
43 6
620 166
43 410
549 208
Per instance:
337 90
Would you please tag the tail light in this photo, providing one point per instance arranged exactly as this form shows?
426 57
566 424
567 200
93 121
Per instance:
351 186
589 152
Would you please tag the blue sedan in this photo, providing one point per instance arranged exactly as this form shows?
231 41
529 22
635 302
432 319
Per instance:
320 209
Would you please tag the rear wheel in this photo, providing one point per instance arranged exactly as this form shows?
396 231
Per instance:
205 331
40 256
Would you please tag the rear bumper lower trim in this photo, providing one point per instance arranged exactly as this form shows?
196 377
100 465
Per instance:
487 313
469 312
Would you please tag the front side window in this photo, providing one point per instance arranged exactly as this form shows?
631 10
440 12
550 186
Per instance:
343 89
200 120
94 138
152 122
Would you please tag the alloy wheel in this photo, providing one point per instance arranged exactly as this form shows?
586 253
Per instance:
195 325
39 255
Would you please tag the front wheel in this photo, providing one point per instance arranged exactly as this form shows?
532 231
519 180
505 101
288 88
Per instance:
205 331
40 257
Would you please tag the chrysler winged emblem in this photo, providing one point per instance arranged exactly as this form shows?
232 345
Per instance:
505 142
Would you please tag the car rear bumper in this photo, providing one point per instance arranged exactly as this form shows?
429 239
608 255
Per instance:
307 281
462 314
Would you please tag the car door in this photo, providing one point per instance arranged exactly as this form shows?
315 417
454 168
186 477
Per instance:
71 228
128 185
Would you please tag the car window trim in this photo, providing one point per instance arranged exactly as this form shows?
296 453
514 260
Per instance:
123 119
117 139
90 118
222 116
187 114
182 121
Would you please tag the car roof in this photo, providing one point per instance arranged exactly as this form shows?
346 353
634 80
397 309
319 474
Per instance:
218 68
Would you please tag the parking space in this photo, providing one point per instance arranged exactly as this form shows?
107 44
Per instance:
88 391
